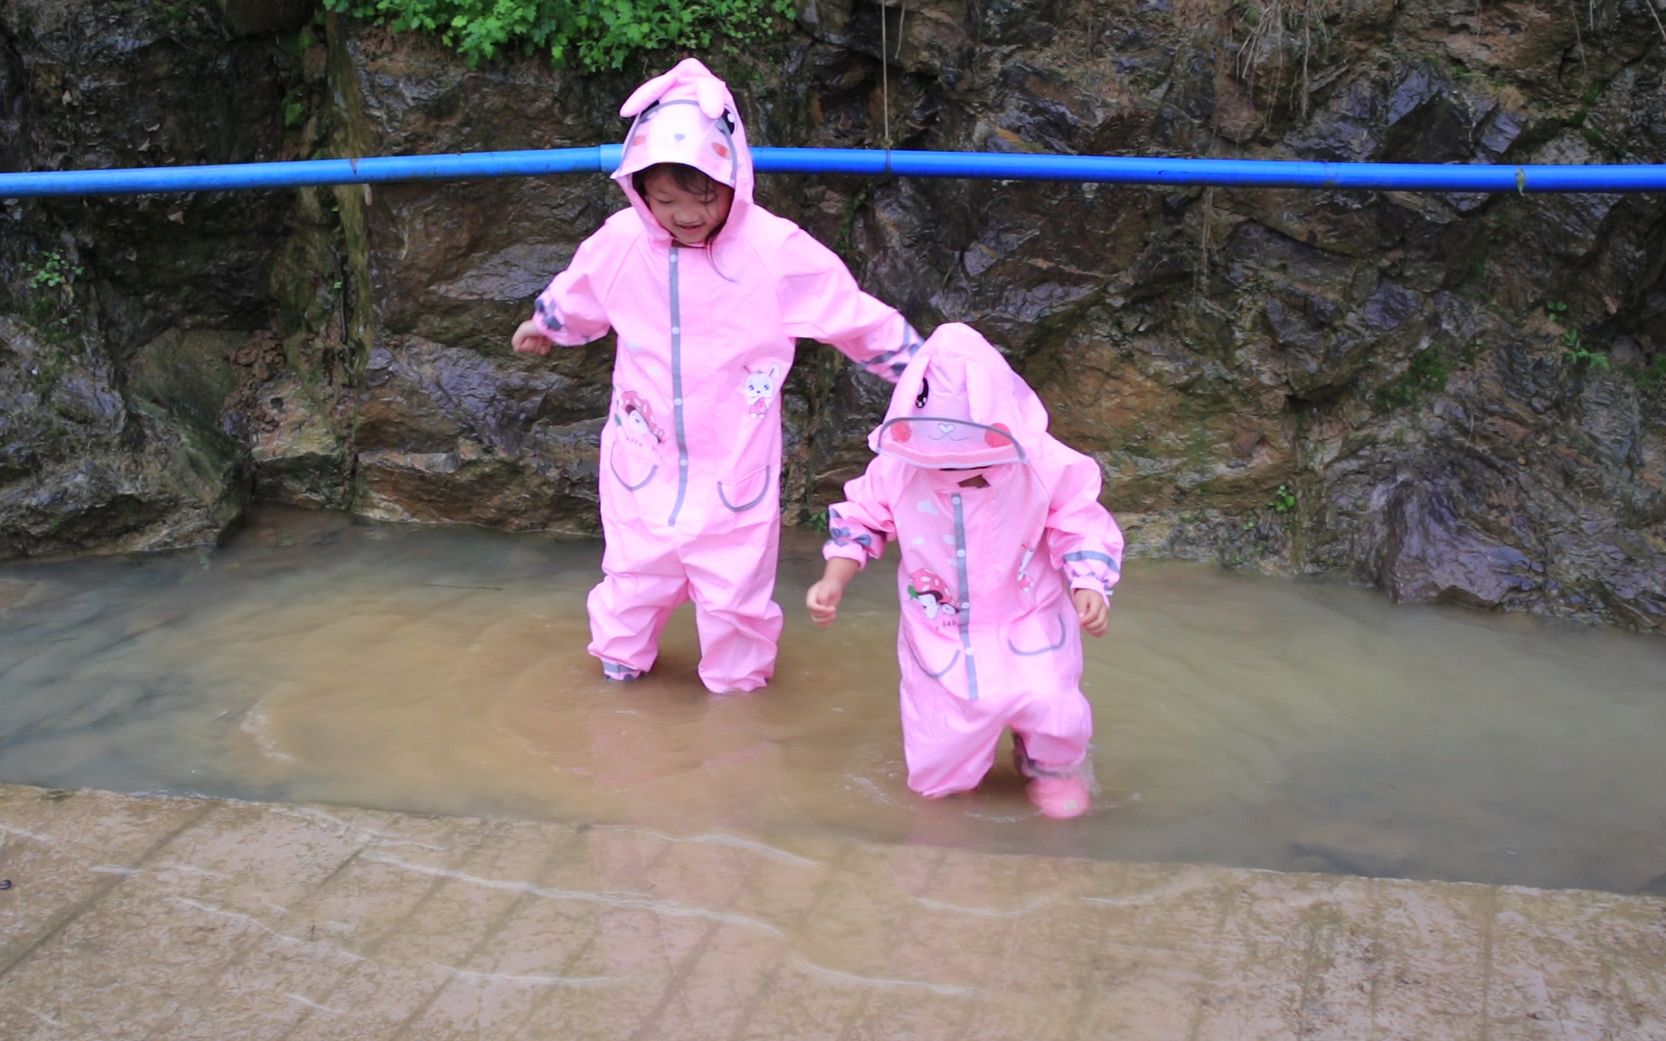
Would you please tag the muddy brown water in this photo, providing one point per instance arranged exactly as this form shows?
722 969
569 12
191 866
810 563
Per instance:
1241 720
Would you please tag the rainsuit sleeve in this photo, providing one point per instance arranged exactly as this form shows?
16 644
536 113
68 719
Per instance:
569 312
858 527
820 300
1083 538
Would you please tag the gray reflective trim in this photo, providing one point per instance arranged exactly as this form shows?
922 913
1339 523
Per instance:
964 618
1043 650
910 346
756 499
1091 554
621 477
677 392
934 675
734 153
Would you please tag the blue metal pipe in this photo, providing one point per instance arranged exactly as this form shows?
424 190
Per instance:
1253 173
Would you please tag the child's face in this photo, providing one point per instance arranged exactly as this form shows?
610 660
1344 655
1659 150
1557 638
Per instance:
690 217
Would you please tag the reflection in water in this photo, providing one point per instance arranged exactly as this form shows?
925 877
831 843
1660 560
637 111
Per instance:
1241 720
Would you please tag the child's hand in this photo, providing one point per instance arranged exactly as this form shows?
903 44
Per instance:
530 339
823 600
1092 611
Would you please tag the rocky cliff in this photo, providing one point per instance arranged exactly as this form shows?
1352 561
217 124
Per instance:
1451 396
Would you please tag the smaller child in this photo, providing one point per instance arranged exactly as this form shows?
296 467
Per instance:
1006 552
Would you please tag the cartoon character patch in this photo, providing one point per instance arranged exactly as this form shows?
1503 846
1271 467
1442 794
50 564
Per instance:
633 416
933 596
759 389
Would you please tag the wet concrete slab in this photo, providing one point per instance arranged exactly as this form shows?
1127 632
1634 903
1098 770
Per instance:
166 918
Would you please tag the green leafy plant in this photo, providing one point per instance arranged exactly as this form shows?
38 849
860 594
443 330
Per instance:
1284 500
51 271
1427 374
294 108
1651 378
589 35
1575 351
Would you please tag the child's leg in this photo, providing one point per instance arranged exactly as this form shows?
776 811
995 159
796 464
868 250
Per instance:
731 580
642 584
1050 747
949 743
1052 735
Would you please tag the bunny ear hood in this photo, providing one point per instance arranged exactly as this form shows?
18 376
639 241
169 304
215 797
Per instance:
959 404
686 116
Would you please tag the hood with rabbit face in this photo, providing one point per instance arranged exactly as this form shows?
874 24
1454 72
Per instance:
959 405
686 116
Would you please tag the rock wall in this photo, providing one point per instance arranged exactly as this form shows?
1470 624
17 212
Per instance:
1452 396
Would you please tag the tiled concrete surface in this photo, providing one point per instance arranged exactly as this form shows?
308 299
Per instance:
140 918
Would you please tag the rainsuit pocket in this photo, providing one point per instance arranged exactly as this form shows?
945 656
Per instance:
1037 637
631 466
919 660
746 491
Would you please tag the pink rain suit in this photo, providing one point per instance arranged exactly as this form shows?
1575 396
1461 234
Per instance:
691 451
989 637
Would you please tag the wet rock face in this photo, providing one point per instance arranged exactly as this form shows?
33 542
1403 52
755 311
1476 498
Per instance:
1400 386
83 468
103 448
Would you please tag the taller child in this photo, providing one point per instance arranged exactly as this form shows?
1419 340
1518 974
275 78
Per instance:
708 293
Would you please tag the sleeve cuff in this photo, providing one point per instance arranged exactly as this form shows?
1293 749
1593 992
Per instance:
831 550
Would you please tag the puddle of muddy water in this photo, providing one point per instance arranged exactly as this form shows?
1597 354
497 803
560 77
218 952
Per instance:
1241 720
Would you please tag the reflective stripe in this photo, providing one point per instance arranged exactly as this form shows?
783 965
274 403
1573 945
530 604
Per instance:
965 616
677 392
1090 554
1043 650
755 500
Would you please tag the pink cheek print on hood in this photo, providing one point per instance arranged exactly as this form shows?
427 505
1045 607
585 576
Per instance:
964 408
686 116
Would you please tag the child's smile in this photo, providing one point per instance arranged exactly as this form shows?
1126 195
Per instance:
690 217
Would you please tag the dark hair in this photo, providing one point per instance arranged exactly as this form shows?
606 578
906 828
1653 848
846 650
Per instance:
689 179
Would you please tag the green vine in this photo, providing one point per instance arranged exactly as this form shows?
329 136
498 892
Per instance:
588 35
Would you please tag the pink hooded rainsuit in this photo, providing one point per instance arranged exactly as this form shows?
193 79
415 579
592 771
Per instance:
691 451
989 637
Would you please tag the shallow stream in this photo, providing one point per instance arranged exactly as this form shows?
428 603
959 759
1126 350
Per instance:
1241 720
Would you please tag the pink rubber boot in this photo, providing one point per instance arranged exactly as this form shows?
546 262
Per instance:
1059 797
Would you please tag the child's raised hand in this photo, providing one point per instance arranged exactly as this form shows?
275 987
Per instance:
530 339
823 600
1092 611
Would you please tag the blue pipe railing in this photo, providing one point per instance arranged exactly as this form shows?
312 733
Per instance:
1254 173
